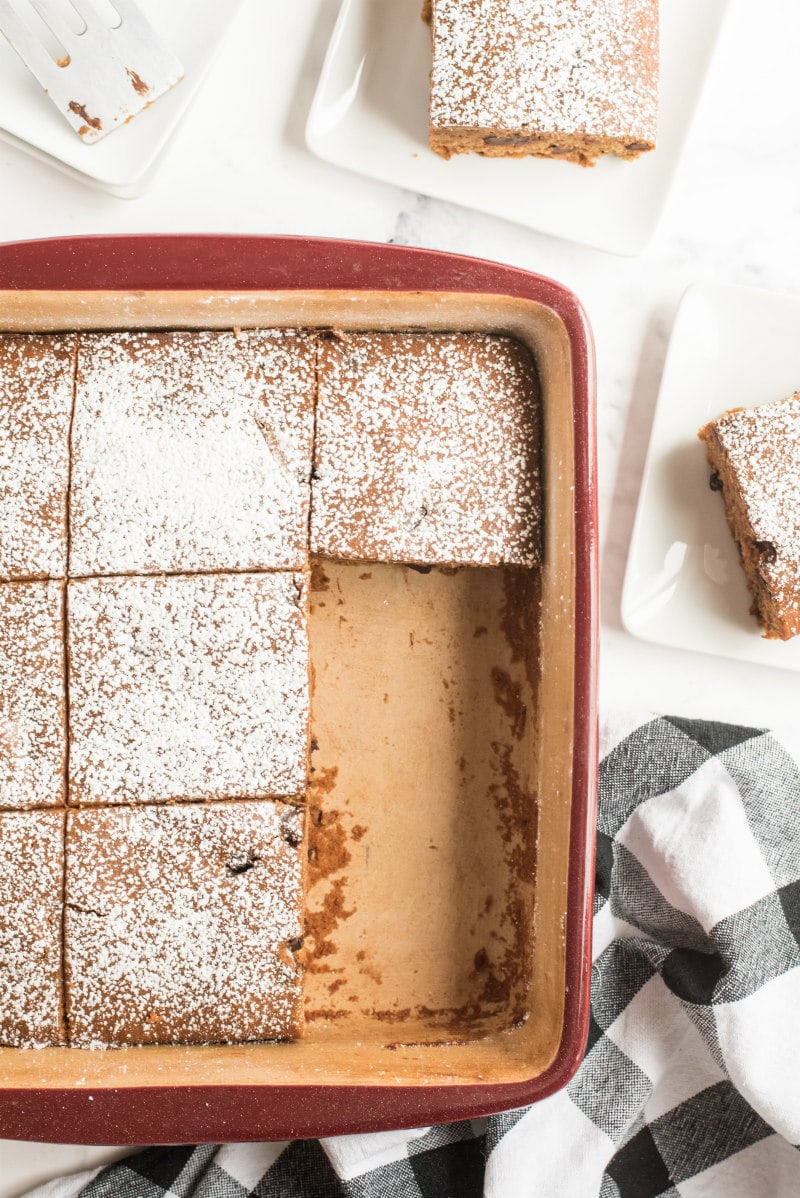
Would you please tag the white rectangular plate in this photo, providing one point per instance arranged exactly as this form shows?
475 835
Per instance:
731 347
119 163
370 114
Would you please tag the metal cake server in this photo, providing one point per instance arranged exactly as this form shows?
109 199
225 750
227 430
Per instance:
98 73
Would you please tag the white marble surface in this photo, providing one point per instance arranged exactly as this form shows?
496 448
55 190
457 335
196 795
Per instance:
238 164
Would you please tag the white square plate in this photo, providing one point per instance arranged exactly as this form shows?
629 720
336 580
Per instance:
370 114
731 347
120 163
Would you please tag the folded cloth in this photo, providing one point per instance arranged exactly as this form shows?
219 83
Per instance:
691 1081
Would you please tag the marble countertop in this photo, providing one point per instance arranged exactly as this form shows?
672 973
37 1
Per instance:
733 217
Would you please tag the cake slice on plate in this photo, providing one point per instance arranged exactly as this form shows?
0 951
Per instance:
754 455
571 79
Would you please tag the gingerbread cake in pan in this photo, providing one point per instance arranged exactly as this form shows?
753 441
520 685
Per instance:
564 79
182 924
36 385
31 885
427 450
191 451
164 495
32 695
754 455
187 687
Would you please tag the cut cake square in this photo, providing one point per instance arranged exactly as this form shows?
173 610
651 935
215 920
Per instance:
182 924
32 695
188 687
31 884
36 387
191 451
572 79
754 455
427 450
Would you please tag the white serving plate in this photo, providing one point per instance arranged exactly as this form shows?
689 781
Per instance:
121 163
684 587
370 114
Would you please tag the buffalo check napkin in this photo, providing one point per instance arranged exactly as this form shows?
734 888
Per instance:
691 1081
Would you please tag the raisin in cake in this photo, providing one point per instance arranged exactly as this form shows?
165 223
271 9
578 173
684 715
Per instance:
426 450
32 695
182 924
572 79
191 451
187 687
754 455
36 381
31 883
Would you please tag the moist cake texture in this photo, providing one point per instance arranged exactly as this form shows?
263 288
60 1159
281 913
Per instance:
573 79
36 381
754 455
32 695
31 881
191 451
188 687
426 450
181 924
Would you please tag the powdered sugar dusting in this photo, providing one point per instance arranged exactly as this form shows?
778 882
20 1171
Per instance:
187 687
546 66
763 448
31 869
32 702
191 451
188 673
427 450
36 374
180 924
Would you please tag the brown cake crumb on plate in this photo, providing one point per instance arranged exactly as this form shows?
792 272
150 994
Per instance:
754 455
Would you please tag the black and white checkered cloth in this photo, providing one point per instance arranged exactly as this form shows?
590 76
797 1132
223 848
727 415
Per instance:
691 1081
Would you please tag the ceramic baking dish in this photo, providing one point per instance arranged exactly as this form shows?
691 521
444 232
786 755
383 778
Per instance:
453 724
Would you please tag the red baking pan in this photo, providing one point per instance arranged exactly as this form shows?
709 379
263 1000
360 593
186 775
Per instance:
440 985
